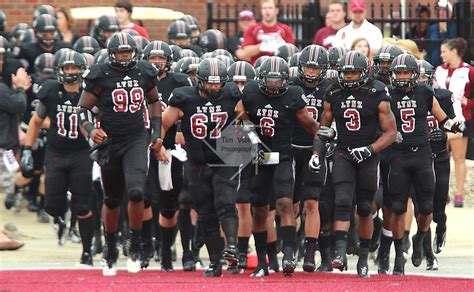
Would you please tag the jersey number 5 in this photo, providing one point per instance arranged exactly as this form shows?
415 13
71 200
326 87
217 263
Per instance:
199 126
354 123
408 119
123 101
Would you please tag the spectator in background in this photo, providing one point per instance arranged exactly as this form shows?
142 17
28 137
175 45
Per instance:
65 25
123 10
458 77
411 47
246 19
441 31
265 37
420 29
359 27
362 46
336 18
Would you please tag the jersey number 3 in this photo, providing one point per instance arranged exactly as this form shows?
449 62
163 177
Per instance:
354 119
123 101
199 125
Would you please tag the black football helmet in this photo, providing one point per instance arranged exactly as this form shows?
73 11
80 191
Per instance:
222 52
86 44
44 9
89 59
313 56
294 71
104 27
383 59
130 31
226 60
195 27
212 39
121 42
162 49
44 64
334 54
189 64
294 60
102 56
241 71
260 61
212 71
178 30
4 46
3 21
207 55
141 44
46 23
58 54
17 31
28 36
404 62
189 53
286 51
273 77
71 58
426 69
177 52
353 61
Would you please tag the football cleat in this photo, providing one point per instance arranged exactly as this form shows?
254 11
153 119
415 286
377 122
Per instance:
110 257
273 264
309 264
362 265
260 272
61 231
86 260
326 265
231 255
288 266
243 263
146 253
214 270
166 263
340 262
458 201
188 262
384 264
42 217
133 262
431 263
73 236
439 242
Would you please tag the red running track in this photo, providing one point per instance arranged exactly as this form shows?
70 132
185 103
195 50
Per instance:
92 280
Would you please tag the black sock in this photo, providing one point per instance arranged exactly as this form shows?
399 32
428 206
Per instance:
86 230
341 242
166 241
271 248
135 239
398 247
261 247
42 202
146 231
185 228
385 244
111 239
229 225
215 246
324 242
427 247
243 244
288 235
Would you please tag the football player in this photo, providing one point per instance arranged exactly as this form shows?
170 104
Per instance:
118 88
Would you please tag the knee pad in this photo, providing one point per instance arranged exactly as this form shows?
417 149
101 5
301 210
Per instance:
81 209
342 212
209 225
227 211
425 207
399 207
364 208
111 202
168 213
55 209
135 196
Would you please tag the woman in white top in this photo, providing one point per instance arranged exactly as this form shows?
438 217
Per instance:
458 77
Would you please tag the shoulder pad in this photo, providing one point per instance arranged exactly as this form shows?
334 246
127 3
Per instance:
179 96
443 94
424 88
233 89
43 90
147 69
375 86
334 88
94 71
182 79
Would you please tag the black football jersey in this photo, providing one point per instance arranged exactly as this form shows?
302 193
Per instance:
411 110
445 100
314 98
356 112
384 79
275 117
63 135
121 96
165 88
30 51
204 120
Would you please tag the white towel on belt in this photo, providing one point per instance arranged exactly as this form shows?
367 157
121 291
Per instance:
164 173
